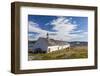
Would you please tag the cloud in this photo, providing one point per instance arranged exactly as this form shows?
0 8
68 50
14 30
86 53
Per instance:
34 27
64 29
62 24
31 37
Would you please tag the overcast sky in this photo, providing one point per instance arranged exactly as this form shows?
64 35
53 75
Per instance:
66 28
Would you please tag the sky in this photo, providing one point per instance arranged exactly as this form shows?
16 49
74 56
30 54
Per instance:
65 28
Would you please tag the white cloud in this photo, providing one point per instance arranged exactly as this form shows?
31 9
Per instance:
64 27
31 37
62 24
34 27
65 30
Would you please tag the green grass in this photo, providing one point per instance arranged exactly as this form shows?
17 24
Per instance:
72 53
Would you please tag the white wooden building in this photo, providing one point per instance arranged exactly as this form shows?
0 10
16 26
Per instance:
48 45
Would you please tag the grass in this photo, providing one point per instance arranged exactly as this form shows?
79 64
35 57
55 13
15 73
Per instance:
72 53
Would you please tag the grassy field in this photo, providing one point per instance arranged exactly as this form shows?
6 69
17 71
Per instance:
72 53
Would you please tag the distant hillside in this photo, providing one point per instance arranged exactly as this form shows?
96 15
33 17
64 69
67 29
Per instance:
31 42
78 43
73 43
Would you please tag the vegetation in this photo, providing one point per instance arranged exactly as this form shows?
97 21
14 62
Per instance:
71 53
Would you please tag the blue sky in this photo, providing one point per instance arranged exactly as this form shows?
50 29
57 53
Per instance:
66 28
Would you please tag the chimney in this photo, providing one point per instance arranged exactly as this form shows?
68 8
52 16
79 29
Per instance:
47 36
